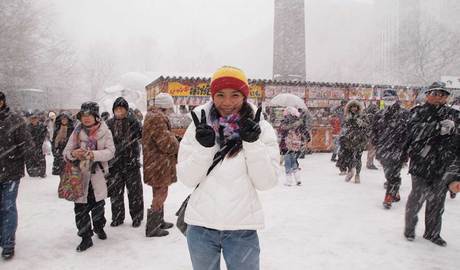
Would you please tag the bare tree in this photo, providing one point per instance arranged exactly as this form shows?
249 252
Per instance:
99 68
426 57
31 54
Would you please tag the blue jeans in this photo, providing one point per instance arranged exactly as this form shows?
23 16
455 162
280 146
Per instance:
8 213
240 248
336 144
290 162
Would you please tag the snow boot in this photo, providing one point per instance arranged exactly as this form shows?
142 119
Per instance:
136 223
165 225
116 223
387 201
357 179
86 243
8 253
289 180
350 174
298 179
409 236
153 226
334 158
436 240
101 234
372 167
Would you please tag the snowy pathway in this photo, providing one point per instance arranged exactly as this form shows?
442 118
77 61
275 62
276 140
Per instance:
324 224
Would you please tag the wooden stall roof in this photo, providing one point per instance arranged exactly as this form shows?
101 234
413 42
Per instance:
162 79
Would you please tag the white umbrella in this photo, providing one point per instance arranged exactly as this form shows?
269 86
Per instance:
286 100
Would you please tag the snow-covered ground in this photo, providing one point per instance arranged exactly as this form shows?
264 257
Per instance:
324 224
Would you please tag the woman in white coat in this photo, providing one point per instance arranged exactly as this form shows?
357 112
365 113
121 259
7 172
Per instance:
91 147
229 153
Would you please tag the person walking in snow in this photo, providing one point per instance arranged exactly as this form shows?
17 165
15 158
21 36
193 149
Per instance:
335 124
227 154
160 148
291 144
15 145
63 129
370 113
354 139
124 168
452 176
431 131
36 163
91 147
340 162
389 135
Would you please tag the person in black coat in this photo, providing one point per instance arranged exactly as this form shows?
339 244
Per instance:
15 145
124 168
370 113
389 135
353 140
36 164
431 131
63 128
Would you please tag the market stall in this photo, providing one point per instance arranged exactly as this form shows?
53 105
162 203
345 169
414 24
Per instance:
320 99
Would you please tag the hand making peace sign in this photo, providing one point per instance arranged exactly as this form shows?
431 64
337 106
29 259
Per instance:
249 128
204 133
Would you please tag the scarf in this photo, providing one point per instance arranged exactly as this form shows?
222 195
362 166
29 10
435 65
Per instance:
61 135
226 127
227 133
91 132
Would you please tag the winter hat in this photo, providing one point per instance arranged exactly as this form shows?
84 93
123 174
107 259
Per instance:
120 102
105 115
437 86
52 115
89 107
164 101
389 93
291 111
229 77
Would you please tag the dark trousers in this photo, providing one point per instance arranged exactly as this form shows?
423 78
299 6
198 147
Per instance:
435 195
352 159
131 179
392 172
83 218
36 164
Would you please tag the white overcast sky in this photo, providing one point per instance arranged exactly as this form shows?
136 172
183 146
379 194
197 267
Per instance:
186 35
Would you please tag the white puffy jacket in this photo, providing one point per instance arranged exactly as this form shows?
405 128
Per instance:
226 199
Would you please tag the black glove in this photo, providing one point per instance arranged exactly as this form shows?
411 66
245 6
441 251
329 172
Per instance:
249 128
204 133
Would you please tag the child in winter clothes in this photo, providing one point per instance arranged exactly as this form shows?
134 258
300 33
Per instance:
292 144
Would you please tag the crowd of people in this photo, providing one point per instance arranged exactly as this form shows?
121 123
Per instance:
427 136
227 154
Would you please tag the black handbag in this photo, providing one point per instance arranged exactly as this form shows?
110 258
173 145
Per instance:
180 223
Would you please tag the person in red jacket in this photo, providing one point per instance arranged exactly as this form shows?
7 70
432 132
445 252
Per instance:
335 123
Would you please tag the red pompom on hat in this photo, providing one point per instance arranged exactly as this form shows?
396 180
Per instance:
229 77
